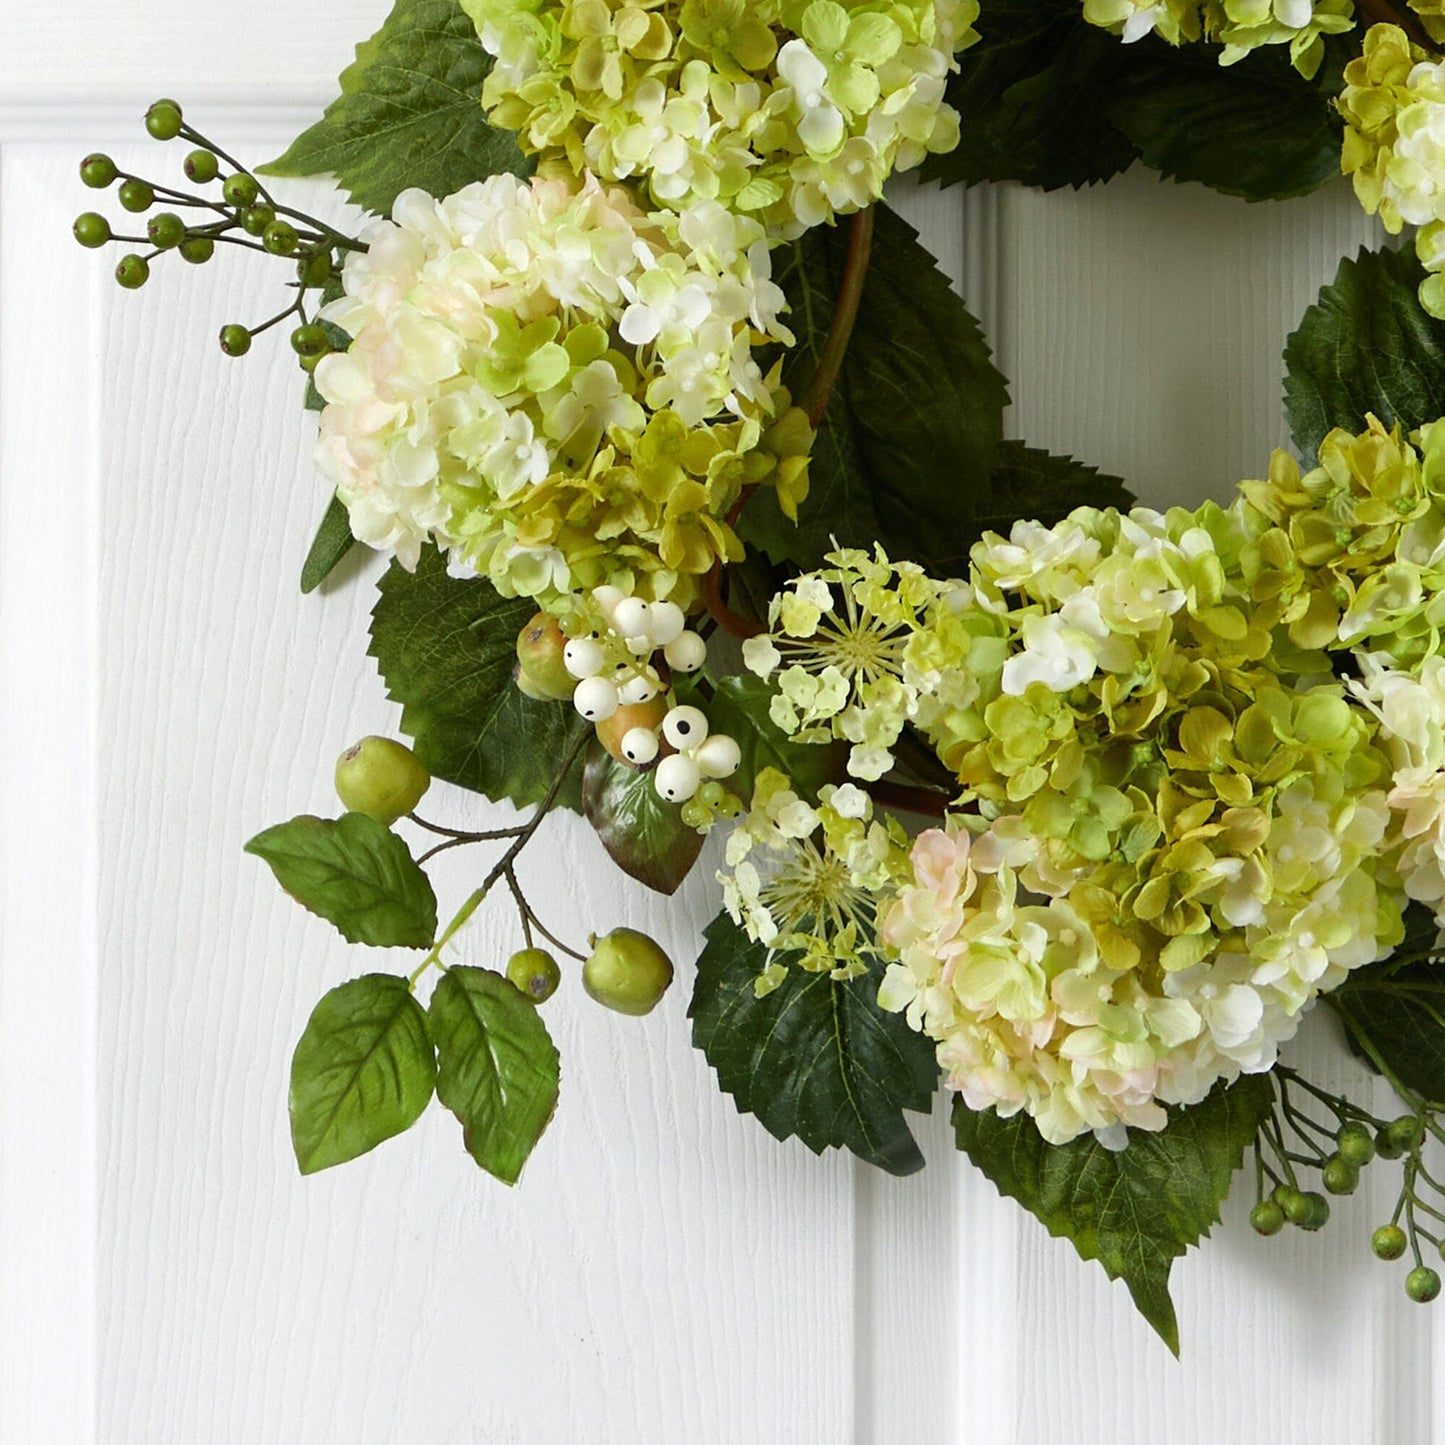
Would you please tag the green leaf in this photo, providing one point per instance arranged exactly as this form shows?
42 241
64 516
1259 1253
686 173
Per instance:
816 1059
904 453
356 874
332 542
644 835
1135 1211
499 1071
1032 98
409 113
1196 120
1031 483
447 649
1394 1011
363 1071
739 708
1366 345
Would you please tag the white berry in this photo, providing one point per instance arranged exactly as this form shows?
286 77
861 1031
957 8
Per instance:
676 778
607 599
629 617
686 652
583 657
718 756
638 688
595 698
685 727
639 746
665 622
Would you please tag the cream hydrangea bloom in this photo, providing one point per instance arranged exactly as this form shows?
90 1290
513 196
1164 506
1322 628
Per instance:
557 388
790 110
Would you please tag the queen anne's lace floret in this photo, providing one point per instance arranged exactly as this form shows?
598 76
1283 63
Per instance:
791 110
558 389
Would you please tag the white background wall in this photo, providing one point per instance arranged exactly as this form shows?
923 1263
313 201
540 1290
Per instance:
666 1274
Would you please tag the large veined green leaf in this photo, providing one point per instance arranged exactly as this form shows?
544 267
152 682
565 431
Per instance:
1030 483
904 453
498 1070
409 113
643 834
1135 1211
356 874
815 1058
363 1071
446 648
1365 346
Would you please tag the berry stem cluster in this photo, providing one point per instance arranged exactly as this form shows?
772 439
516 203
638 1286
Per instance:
245 215
1293 1140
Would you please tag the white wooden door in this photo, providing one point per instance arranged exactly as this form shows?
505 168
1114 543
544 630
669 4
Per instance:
666 1274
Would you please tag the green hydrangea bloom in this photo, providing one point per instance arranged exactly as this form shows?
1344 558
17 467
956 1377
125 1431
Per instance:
791 110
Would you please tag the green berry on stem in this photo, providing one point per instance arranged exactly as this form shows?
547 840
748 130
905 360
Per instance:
166 231
310 340
197 249
136 195
1266 1217
1422 1285
1356 1145
133 272
1307 1211
91 229
97 171
240 189
627 972
314 270
163 120
280 238
255 219
534 972
1388 1242
1340 1176
235 339
382 778
1405 1132
201 167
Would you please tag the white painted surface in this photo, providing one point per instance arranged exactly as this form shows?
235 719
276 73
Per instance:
666 1273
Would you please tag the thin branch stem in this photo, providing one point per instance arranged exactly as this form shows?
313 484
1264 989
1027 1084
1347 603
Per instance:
819 390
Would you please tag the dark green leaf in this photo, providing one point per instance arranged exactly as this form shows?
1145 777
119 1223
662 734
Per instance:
1394 1011
739 708
447 649
1029 483
363 1071
499 1071
904 453
1196 120
356 874
409 113
1032 99
332 542
1135 1211
644 835
815 1058
1365 346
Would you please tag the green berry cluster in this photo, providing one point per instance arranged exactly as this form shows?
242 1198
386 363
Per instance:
245 215
1292 1138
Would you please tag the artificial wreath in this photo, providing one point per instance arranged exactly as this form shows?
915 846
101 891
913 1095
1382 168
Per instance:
692 470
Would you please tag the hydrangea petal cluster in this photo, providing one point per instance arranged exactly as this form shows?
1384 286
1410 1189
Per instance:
791 110
1240 26
805 880
1352 553
1184 847
558 389
1393 105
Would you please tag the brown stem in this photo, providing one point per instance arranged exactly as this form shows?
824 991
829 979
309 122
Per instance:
712 585
923 801
1381 12
819 390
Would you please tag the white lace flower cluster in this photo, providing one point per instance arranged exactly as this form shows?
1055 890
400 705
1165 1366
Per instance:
1240 26
556 388
792 110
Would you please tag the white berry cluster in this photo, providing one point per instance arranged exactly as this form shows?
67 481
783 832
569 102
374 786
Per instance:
618 668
